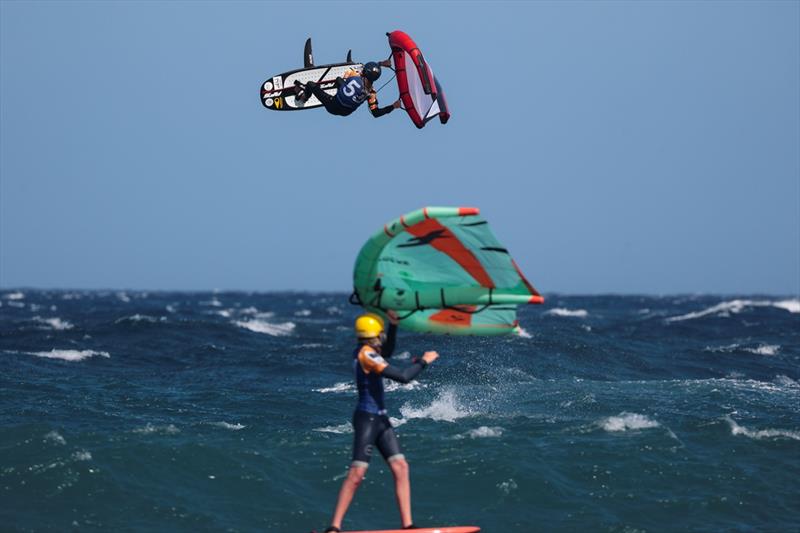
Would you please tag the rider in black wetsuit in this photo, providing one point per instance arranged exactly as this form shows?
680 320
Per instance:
352 90
370 422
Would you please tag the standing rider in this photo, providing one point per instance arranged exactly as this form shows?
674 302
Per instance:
370 422
352 90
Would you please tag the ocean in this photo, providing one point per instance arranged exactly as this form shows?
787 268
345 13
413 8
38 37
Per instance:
229 411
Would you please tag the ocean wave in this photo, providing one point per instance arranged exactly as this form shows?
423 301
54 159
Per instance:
759 434
571 313
69 355
262 326
149 429
55 437
14 295
303 312
140 318
725 309
761 349
55 323
627 421
507 486
341 429
123 297
481 433
227 425
344 386
82 455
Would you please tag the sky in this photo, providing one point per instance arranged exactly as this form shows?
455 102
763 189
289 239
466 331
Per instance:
614 147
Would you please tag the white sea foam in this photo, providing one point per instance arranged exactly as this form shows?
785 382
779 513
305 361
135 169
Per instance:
444 407
170 309
18 305
139 318
759 434
55 437
507 486
268 328
481 433
148 429
725 309
793 306
14 296
123 297
69 355
761 349
786 381
333 310
391 386
344 386
627 421
341 429
572 313
213 302
82 455
303 312
227 425
55 323
225 313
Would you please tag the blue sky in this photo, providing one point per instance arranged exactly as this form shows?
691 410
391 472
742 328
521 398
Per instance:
615 147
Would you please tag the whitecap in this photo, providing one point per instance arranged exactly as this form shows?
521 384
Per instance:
793 306
82 455
507 486
725 309
391 386
14 296
563 312
69 355
123 297
226 425
55 323
138 318
343 386
761 349
482 433
262 326
759 434
341 429
627 421
148 429
303 312
55 437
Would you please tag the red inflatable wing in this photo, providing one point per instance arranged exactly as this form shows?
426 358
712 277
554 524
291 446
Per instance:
420 91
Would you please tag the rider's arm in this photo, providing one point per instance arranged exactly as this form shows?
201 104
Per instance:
391 337
407 374
373 106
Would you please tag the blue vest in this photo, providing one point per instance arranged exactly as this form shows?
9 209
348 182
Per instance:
370 389
352 93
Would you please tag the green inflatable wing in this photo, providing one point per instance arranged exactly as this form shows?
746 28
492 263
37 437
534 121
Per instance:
442 270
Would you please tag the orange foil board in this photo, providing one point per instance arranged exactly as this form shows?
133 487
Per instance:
447 529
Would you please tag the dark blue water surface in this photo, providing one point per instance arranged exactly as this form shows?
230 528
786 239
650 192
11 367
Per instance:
230 411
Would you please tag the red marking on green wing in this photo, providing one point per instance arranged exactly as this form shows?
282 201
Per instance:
454 317
536 298
449 244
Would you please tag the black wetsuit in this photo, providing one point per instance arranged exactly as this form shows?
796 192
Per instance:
349 96
370 422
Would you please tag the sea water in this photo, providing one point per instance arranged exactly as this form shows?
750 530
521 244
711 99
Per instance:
134 411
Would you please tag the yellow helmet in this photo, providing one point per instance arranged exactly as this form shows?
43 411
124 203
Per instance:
369 326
